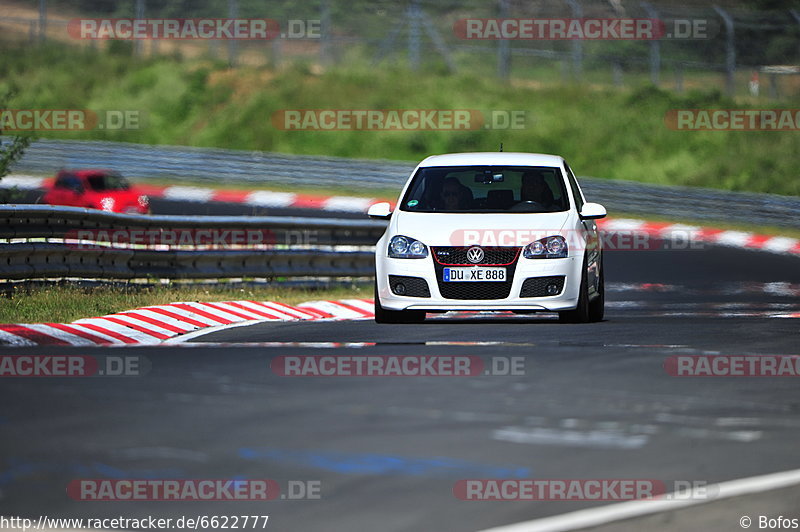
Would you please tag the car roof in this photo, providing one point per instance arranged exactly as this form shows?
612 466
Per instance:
492 158
86 172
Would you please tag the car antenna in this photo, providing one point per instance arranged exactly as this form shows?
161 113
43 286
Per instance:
501 146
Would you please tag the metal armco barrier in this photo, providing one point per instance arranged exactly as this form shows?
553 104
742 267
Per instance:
42 241
218 167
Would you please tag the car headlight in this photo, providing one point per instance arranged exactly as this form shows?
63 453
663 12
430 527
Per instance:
107 204
143 201
403 247
551 247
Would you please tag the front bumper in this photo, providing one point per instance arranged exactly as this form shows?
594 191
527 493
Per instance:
569 268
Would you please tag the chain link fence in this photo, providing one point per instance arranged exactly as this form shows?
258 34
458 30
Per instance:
737 50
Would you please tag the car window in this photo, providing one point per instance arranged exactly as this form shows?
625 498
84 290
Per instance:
69 182
103 182
576 190
486 189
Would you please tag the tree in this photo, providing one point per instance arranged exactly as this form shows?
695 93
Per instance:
10 152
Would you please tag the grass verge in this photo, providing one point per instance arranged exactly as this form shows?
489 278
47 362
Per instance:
66 303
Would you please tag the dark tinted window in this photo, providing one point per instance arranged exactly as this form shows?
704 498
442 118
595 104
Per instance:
576 191
486 189
69 181
102 182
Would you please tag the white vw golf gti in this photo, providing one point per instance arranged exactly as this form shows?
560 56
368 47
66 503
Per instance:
489 231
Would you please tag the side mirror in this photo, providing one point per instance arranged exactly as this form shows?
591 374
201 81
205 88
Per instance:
382 210
592 211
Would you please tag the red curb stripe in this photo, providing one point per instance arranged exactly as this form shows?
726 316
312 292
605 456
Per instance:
231 196
136 327
254 311
34 336
77 332
109 332
232 312
203 313
178 317
315 313
153 321
351 307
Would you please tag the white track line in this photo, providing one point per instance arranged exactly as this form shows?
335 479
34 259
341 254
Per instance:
593 517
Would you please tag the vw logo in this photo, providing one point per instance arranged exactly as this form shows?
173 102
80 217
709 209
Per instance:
475 255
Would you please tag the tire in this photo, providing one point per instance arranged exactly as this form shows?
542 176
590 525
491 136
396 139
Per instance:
580 314
383 315
597 305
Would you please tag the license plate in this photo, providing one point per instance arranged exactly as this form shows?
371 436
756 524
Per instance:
471 275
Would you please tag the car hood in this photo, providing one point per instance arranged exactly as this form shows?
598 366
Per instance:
517 229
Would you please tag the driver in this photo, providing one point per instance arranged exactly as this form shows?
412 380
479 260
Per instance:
455 196
534 188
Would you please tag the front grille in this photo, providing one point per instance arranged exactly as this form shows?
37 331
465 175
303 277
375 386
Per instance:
414 286
537 286
491 255
447 256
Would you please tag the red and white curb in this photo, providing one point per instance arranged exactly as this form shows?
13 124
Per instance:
266 198
258 198
160 323
689 234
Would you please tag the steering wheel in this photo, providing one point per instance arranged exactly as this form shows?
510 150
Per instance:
527 205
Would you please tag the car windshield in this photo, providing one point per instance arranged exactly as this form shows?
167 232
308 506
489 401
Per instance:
486 189
102 182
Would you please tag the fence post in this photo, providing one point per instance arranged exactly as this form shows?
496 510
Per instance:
795 14
325 39
503 48
730 50
655 47
233 12
617 70
414 34
139 15
42 20
577 44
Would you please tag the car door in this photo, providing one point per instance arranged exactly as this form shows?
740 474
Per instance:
590 236
66 190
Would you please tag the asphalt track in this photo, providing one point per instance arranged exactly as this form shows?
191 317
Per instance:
594 402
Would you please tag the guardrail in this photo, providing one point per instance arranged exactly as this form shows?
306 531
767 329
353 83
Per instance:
218 166
42 241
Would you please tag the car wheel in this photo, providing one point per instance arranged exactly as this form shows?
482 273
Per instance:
597 305
580 314
383 315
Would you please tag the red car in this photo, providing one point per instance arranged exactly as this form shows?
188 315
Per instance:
96 189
